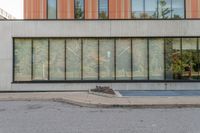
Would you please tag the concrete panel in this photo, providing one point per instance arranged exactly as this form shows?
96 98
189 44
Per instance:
5 74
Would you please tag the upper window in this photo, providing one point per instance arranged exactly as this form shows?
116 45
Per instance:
79 9
150 9
137 9
178 9
162 9
52 7
103 9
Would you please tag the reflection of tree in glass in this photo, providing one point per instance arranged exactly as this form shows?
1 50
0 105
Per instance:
164 11
103 15
78 10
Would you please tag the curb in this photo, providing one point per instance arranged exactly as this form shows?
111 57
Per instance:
92 105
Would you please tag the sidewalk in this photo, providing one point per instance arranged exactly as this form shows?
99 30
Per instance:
85 99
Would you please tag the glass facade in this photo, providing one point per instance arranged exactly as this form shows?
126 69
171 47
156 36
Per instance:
73 59
158 9
52 9
23 52
139 59
123 59
156 59
106 59
150 9
173 63
40 59
140 9
90 59
103 9
79 9
57 59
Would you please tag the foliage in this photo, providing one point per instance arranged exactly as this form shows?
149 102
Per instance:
78 10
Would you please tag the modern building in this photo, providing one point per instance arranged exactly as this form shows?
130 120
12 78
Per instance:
5 15
124 44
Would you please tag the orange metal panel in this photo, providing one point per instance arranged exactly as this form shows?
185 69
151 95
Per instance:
127 11
193 8
95 9
112 9
62 9
35 9
91 9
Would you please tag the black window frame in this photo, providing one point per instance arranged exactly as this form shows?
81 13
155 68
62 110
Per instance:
101 81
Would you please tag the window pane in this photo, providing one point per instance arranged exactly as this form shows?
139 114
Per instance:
73 59
52 9
22 60
189 58
173 58
103 9
106 59
164 9
123 59
156 59
57 59
178 9
90 59
150 9
79 9
40 59
139 59
137 9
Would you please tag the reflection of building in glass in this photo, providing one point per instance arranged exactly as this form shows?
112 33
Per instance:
5 15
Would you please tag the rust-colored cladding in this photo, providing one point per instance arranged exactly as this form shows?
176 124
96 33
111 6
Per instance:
91 9
35 9
119 9
65 9
193 8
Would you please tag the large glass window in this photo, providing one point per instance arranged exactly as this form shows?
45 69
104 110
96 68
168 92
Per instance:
156 59
140 66
79 9
22 62
164 9
73 59
177 9
90 59
173 58
40 59
57 59
103 9
137 9
189 58
52 9
85 59
106 59
123 59
150 9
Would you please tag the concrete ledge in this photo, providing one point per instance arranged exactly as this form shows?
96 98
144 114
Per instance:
84 99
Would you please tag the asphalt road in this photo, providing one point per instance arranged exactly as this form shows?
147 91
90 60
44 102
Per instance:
52 117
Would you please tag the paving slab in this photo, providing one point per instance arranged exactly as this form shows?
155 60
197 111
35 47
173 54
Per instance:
91 100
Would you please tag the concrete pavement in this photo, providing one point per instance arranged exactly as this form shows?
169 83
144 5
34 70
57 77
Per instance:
86 99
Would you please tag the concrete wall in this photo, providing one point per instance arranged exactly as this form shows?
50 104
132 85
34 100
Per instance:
118 28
